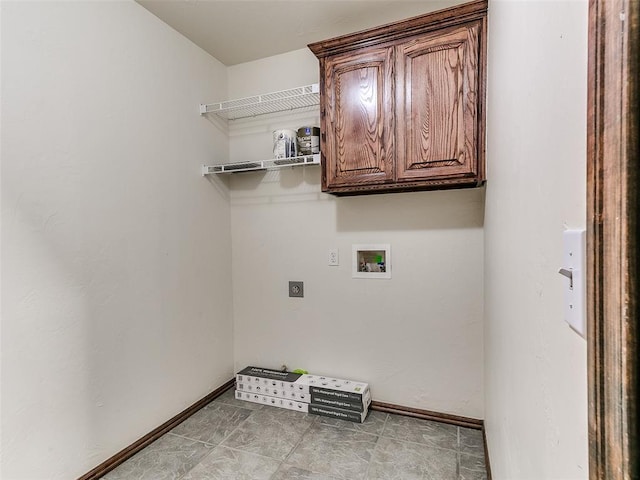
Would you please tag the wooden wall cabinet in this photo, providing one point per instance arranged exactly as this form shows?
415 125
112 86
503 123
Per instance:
402 106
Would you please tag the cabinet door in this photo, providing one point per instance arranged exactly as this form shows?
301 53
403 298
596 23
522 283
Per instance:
357 119
437 91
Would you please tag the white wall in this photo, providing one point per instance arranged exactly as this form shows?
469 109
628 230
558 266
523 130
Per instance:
115 252
116 311
536 400
417 338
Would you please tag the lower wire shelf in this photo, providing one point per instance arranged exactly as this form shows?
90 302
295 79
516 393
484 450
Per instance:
270 164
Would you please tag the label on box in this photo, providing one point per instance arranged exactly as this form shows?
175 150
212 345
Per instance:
334 384
269 374
338 402
336 394
337 413
272 401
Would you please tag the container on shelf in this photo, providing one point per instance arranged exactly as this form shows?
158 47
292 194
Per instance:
308 140
284 143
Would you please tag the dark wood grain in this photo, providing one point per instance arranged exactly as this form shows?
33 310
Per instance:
487 461
428 415
358 137
417 186
128 452
402 106
613 165
439 105
399 31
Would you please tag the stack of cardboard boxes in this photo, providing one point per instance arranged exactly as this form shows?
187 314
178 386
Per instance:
330 397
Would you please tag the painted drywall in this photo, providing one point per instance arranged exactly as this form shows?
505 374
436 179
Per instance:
417 338
116 267
536 401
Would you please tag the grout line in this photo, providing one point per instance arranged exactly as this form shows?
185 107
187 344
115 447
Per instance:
436 447
214 446
366 474
248 452
301 438
455 449
473 454
384 427
237 427
215 403
326 475
479 455
232 402
294 447
208 444
341 427
277 470
220 442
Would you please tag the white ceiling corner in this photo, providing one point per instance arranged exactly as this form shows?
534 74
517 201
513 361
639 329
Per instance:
238 31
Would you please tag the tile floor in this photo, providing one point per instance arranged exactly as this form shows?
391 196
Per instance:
232 440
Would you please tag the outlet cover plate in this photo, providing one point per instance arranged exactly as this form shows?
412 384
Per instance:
296 289
333 258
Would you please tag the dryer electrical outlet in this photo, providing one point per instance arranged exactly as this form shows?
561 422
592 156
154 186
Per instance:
296 289
333 258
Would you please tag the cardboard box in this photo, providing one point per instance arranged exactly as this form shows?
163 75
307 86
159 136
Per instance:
322 410
342 398
338 399
264 377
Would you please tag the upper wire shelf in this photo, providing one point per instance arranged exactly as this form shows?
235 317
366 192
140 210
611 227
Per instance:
292 99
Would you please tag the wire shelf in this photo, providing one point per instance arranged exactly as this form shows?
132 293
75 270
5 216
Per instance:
261 164
292 99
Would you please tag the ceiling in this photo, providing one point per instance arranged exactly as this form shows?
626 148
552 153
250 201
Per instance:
238 31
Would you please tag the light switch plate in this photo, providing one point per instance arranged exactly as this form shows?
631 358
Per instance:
573 259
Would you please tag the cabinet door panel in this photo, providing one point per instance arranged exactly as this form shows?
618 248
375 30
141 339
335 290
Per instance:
359 134
437 103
